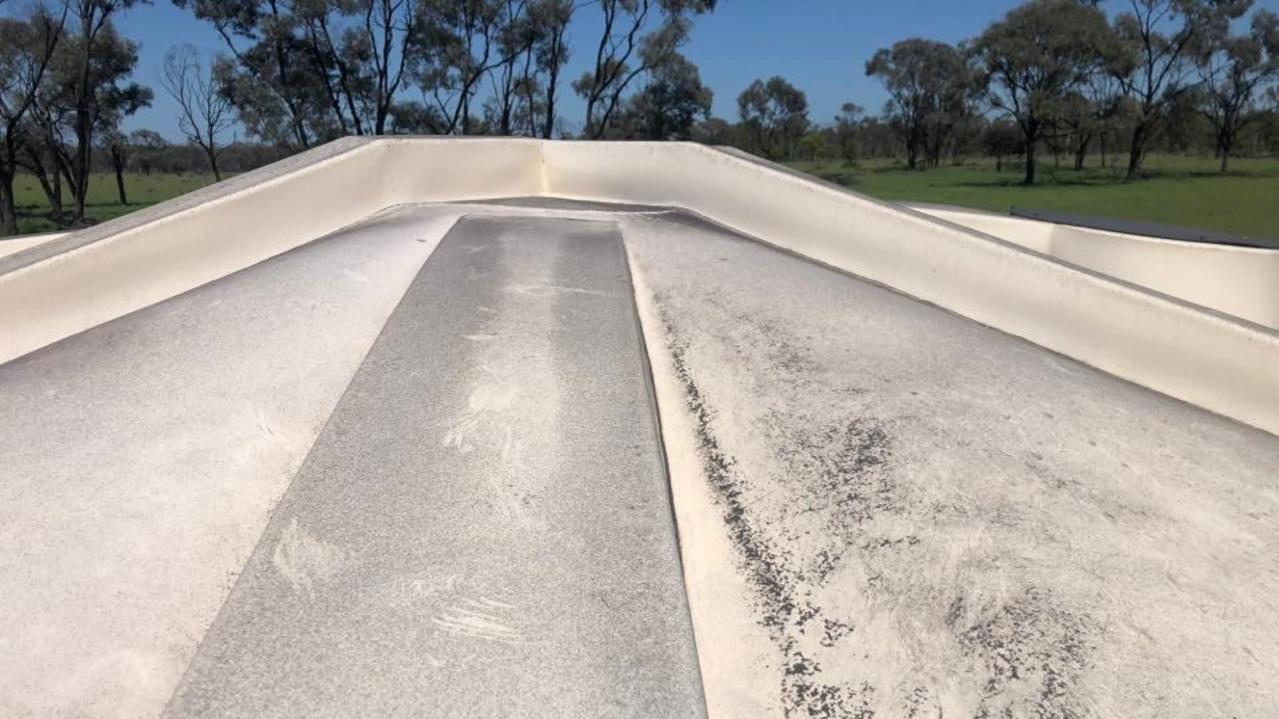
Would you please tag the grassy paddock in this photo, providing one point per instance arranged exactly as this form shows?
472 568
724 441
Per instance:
1184 191
102 202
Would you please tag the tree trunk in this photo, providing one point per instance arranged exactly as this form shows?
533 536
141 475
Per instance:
119 183
8 209
213 164
1135 151
78 192
55 200
549 123
118 163
83 158
52 191
1030 162
999 163
1225 161
51 185
1081 153
80 177
552 79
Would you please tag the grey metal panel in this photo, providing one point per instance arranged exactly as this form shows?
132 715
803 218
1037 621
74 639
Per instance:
140 461
483 528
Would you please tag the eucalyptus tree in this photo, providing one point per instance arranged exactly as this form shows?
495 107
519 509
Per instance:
930 85
533 49
1153 58
148 145
1034 58
415 118
774 116
116 146
275 76
460 43
39 158
847 125
1001 138
44 143
511 80
636 37
88 91
359 51
551 19
389 29
96 59
204 113
1107 108
714 131
27 47
117 103
669 105
1233 69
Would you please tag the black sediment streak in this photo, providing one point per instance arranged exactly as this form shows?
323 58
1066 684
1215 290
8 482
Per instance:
782 612
766 571
847 509
1029 642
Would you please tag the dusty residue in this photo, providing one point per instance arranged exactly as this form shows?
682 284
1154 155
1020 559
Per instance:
720 596
826 529
882 592
304 560
780 606
491 396
454 609
548 290
480 618
1031 651
505 387
933 519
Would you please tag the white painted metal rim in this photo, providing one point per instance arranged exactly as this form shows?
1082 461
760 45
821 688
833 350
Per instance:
1205 357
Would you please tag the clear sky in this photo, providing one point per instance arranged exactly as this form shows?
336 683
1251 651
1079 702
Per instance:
819 45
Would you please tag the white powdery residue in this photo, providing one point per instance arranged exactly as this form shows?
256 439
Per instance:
491 397
355 276
479 619
545 290
305 560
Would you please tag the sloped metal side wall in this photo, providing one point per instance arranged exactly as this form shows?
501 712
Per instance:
1240 281
66 285
1208 359
83 279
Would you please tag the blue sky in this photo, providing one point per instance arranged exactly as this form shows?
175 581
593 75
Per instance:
819 45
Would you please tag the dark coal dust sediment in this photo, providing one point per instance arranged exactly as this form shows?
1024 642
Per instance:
931 518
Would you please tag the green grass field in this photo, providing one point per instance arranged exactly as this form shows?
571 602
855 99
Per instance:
1183 191
103 203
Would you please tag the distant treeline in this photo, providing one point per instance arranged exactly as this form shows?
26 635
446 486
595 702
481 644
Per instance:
1057 77
1054 76
147 153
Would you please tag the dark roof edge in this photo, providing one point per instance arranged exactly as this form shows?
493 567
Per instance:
1146 229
